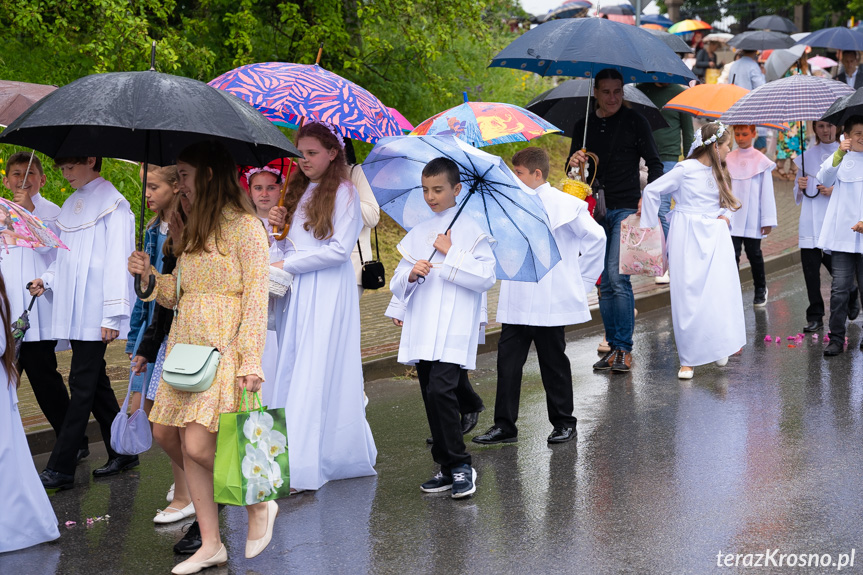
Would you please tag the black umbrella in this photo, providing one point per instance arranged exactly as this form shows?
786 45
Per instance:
145 117
565 105
843 108
774 23
761 40
673 41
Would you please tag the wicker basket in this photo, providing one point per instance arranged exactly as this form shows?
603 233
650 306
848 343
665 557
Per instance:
280 282
577 186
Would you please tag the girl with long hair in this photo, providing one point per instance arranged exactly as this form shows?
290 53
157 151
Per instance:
28 518
222 259
706 302
319 376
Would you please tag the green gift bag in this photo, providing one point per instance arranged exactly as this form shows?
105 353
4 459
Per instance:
251 455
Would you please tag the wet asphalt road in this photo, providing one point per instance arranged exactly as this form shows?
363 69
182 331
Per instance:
763 454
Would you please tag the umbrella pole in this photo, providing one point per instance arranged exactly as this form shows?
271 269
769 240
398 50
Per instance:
587 117
421 279
144 293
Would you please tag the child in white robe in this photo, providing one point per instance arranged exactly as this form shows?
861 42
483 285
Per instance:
752 184
538 312
812 197
37 358
92 303
842 231
706 301
442 315
28 518
319 376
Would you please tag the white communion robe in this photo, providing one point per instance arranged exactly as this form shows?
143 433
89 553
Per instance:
812 210
275 307
21 265
706 301
91 288
319 373
846 204
560 297
442 314
752 184
28 518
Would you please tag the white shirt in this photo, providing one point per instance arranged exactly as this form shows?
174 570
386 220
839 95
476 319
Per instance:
846 204
752 184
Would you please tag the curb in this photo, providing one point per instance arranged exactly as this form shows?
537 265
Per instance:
42 441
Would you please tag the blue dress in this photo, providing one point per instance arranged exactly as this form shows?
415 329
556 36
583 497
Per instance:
23 494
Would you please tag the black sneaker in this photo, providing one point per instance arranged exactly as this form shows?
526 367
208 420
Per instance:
191 541
463 481
605 361
760 298
438 483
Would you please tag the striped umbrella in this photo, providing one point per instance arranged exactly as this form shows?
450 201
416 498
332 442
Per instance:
486 124
711 101
285 93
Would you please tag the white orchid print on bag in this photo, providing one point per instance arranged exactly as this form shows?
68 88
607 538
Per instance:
256 463
258 490
257 425
274 443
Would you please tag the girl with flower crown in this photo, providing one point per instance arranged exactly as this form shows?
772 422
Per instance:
319 378
706 302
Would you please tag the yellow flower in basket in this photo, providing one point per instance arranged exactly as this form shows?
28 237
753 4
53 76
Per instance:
576 185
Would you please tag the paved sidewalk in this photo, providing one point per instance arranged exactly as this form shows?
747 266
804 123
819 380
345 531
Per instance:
380 338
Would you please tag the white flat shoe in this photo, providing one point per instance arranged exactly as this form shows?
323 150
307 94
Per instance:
172 515
685 374
663 279
254 548
170 496
188 566
722 362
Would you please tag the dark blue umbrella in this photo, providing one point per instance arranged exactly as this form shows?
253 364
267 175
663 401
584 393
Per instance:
618 9
838 38
569 9
657 19
775 23
761 40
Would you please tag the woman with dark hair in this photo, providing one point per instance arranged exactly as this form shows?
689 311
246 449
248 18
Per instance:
222 269
28 518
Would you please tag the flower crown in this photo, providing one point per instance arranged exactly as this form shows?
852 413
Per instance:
269 169
699 138
332 130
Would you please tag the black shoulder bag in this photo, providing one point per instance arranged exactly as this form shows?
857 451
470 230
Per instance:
373 274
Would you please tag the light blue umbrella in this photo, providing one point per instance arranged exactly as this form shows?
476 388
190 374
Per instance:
491 194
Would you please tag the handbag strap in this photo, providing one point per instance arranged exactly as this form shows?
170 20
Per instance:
360 249
177 303
377 248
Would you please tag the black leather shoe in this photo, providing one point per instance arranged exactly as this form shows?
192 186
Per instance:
813 326
191 541
562 435
835 347
116 465
429 440
854 308
83 453
495 435
55 480
469 420
605 361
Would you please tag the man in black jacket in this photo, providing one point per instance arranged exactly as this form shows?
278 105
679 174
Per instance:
851 62
620 137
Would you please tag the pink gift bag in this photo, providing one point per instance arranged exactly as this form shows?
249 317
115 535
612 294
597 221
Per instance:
642 251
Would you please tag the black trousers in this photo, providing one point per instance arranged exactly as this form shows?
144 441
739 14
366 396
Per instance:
755 257
469 400
812 259
91 392
38 362
847 271
512 350
438 382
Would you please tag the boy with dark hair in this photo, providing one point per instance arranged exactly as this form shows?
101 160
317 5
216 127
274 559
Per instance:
91 309
37 358
538 312
441 340
842 231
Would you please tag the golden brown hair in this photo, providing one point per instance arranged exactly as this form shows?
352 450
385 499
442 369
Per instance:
319 209
8 358
720 172
216 188
533 159
169 175
817 139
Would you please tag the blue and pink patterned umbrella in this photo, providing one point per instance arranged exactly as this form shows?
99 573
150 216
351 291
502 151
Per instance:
286 93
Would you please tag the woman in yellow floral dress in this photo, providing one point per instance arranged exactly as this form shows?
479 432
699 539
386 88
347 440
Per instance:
223 261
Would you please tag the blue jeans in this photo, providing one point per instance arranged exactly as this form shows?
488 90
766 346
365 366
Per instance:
616 301
665 202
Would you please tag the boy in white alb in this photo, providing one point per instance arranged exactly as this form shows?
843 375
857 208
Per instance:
538 312
443 306
37 359
752 184
91 309
842 231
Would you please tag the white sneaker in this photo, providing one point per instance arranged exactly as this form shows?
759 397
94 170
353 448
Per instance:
685 373
171 514
722 362
170 495
663 279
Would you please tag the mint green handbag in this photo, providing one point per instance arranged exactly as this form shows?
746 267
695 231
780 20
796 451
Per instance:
191 368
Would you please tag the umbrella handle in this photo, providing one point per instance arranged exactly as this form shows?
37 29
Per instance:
144 293
284 233
33 299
